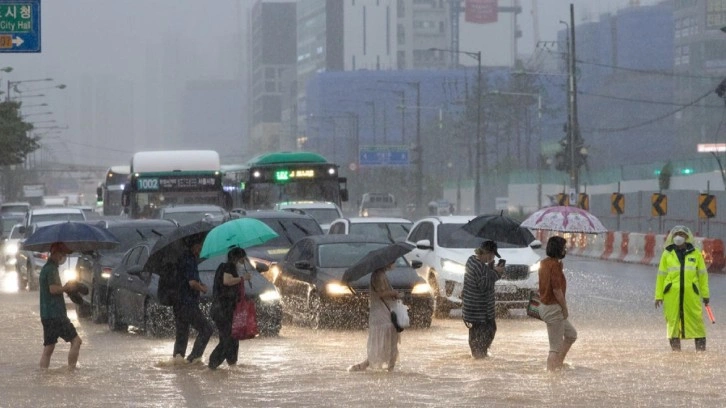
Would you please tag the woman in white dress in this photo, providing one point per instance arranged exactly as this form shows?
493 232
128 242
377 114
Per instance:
382 335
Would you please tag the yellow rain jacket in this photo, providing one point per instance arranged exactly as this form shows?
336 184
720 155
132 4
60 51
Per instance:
681 284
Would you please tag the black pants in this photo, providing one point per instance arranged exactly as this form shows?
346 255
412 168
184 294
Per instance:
700 344
184 317
481 336
228 347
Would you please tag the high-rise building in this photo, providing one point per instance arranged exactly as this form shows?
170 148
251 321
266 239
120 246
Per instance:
272 51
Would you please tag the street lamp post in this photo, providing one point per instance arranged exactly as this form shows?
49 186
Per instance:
14 84
480 148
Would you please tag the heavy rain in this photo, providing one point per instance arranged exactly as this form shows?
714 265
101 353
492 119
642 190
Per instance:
311 133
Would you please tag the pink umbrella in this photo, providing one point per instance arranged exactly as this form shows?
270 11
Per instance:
564 219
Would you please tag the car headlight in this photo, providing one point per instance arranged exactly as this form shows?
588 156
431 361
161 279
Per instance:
535 267
106 273
11 249
70 274
421 288
269 296
336 289
452 266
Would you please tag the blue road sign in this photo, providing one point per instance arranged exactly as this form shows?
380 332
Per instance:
19 25
383 156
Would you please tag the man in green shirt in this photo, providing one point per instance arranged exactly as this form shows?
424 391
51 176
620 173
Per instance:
53 308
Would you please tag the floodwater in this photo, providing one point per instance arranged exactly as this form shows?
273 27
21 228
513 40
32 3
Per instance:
621 358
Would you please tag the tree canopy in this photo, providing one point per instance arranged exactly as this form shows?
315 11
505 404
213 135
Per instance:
14 139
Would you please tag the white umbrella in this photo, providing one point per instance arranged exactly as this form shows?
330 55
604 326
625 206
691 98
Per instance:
564 219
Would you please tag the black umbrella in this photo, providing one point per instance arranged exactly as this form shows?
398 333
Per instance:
376 259
77 236
169 248
499 228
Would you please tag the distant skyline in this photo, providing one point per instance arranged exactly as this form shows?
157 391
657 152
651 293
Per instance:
131 60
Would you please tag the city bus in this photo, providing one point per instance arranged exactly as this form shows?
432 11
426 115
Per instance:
173 177
271 178
112 188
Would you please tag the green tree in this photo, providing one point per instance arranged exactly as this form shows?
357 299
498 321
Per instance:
14 139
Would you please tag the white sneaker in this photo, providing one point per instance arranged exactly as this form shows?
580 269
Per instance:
197 360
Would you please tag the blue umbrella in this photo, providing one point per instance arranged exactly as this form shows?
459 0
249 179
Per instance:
78 237
241 232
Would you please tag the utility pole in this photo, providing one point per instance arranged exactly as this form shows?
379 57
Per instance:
575 139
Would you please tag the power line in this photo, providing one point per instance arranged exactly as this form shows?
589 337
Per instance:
653 120
621 98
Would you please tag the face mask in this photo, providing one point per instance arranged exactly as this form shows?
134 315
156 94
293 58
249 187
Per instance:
679 240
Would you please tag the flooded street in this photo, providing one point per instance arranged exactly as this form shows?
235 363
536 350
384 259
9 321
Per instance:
621 358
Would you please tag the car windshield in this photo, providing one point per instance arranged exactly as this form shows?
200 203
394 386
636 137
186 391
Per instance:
346 254
389 231
129 236
289 230
16 234
322 215
452 236
37 218
8 223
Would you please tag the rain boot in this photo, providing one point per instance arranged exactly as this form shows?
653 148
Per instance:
701 344
676 344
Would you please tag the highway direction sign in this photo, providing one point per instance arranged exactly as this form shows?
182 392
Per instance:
19 26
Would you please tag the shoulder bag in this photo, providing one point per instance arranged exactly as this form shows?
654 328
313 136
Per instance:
533 305
244 319
399 313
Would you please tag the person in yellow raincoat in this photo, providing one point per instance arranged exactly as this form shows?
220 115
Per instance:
681 285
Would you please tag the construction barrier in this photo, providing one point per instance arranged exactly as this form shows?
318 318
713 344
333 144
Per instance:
633 247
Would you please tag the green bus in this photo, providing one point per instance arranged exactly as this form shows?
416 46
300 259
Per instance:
275 177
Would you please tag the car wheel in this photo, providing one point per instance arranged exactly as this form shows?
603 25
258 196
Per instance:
32 283
152 321
22 280
315 307
441 310
83 310
98 306
114 323
269 321
421 316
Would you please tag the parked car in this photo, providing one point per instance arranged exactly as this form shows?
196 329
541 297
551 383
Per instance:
309 281
290 227
7 222
11 246
323 211
133 300
36 215
392 229
94 268
187 214
29 263
443 248
379 205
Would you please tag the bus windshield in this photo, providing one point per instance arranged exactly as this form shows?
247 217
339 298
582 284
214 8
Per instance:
264 196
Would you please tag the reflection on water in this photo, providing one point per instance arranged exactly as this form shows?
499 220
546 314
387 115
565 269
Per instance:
620 359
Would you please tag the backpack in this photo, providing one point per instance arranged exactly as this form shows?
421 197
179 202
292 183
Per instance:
169 282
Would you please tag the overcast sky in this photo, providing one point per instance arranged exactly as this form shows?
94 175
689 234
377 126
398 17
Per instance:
114 40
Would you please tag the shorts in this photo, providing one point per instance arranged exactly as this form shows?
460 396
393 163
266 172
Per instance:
558 328
58 327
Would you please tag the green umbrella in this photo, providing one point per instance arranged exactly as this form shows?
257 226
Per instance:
242 232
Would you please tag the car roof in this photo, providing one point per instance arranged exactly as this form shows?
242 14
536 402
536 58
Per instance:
276 214
338 238
56 210
191 208
449 219
306 204
131 223
375 220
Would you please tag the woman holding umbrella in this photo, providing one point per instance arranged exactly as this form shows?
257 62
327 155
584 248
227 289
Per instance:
225 294
383 337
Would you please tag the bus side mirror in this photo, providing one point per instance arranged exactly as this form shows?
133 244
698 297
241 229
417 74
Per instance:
344 194
99 193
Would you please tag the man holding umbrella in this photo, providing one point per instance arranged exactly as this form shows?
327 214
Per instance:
186 310
53 308
478 297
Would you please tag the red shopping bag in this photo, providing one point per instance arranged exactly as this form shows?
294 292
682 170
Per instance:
244 319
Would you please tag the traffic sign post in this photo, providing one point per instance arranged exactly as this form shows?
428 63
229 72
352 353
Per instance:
584 201
659 208
19 26
384 156
706 206
617 203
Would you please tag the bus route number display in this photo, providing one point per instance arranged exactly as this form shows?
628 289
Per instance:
174 183
285 175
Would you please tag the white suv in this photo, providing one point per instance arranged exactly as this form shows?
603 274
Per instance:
444 247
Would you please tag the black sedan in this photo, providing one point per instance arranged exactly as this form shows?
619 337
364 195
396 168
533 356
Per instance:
133 300
309 280
94 268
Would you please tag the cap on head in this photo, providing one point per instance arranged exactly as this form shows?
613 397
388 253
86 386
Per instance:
490 246
60 247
